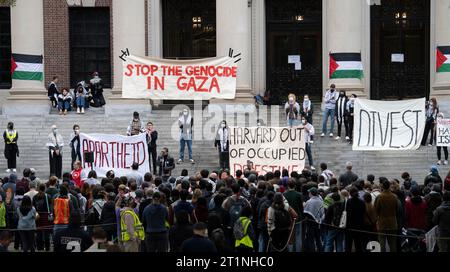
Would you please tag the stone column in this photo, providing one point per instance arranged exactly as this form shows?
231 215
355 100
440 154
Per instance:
440 20
233 19
128 32
27 97
344 27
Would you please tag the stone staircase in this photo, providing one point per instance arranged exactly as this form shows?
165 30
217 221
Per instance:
33 131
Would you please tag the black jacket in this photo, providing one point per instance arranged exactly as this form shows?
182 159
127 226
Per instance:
152 142
165 163
52 90
198 244
356 210
108 217
178 234
442 218
347 178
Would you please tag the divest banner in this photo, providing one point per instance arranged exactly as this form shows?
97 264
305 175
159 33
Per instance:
268 148
443 132
115 152
388 125
179 80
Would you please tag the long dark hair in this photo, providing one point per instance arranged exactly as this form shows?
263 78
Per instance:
25 206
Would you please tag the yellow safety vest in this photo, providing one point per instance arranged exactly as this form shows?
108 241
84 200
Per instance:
138 228
10 137
246 241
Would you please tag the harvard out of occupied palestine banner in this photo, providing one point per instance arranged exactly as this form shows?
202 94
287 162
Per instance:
388 125
269 148
179 80
115 152
443 132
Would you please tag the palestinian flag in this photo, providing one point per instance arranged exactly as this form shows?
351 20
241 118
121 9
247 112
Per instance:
346 65
443 59
27 67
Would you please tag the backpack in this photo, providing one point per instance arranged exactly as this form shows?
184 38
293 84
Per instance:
283 219
235 210
240 228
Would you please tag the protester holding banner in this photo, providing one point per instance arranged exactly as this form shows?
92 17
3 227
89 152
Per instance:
11 149
136 126
55 144
439 140
75 144
222 143
185 122
152 136
292 109
309 131
341 109
331 97
350 116
431 111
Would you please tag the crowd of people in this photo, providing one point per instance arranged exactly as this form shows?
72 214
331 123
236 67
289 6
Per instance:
83 95
218 212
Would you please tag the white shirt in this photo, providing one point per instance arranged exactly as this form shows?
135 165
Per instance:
309 134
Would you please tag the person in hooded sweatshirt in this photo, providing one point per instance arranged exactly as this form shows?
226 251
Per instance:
222 144
341 109
186 123
433 177
96 86
11 149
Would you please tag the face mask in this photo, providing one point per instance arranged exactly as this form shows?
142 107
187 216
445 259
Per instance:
332 90
185 113
55 130
341 95
10 127
306 99
223 125
258 124
304 122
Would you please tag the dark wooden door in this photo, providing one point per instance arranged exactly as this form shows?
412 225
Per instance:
400 26
5 48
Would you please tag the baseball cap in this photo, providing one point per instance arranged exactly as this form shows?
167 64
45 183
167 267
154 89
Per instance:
313 190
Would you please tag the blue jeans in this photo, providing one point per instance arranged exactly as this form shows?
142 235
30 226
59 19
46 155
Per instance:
263 240
58 227
81 102
298 242
334 236
292 122
189 144
309 154
64 105
330 113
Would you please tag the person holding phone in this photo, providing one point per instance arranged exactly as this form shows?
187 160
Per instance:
331 96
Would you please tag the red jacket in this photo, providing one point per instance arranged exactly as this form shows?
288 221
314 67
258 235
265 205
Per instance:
415 213
76 177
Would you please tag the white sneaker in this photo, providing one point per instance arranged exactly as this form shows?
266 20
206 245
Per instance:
322 135
438 163
445 162
82 110
430 145
313 168
331 135
311 142
192 161
337 138
78 110
8 170
14 170
180 161
347 138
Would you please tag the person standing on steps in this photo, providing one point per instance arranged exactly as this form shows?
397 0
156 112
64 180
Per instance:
292 109
152 136
55 144
431 111
439 162
11 149
136 126
75 144
341 109
309 131
222 143
350 116
186 123
331 97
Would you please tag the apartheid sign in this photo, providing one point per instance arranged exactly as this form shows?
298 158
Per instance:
388 125
179 79
268 148
115 152
443 132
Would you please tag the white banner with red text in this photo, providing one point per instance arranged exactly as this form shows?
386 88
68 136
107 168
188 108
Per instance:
115 152
267 148
203 79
